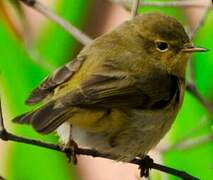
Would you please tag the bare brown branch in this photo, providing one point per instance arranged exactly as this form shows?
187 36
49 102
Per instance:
190 143
89 152
75 32
201 21
1 178
2 128
191 87
186 3
134 11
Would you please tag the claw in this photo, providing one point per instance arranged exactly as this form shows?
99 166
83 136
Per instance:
70 150
145 166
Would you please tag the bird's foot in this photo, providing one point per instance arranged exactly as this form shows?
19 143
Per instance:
70 150
145 166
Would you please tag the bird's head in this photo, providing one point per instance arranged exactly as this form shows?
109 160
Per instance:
165 41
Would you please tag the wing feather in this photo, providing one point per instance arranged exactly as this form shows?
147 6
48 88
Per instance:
120 90
45 119
60 76
111 88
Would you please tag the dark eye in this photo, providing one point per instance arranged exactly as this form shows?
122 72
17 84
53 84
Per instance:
161 46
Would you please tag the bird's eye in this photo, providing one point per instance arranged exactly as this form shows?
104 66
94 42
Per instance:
161 46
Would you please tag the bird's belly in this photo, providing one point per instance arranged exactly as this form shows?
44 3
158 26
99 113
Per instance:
135 136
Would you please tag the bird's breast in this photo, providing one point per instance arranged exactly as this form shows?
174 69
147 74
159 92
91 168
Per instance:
137 133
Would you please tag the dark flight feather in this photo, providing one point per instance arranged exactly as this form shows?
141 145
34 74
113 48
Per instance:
44 119
60 76
105 90
124 91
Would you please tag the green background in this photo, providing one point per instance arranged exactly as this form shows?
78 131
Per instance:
19 75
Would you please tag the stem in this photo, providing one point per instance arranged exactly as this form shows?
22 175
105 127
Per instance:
185 4
1 178
75 32
189 143
201 21
2 128
135 5
89 152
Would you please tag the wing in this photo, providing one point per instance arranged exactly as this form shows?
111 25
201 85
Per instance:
121 89
46 118
111 88
60 76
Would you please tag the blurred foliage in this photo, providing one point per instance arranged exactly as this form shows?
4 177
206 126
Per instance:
19 74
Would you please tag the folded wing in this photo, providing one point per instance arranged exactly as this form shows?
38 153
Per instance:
111 88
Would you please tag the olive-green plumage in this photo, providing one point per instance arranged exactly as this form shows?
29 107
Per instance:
122 92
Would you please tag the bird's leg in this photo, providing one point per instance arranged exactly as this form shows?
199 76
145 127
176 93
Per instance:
145 166
70 148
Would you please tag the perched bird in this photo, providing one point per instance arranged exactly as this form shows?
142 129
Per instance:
121 94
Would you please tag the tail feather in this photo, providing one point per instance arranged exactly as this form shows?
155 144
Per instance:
45 119
24 118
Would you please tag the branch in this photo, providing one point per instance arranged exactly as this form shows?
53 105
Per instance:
28 42
37 58
1 178
135 5
6 136
191 87
2 128
89 152
75 32
186 3
189 143
201 21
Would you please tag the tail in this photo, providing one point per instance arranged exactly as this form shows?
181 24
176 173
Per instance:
45 119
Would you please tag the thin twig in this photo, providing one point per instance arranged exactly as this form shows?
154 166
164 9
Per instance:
201 21
1 178
2 128
6 136
134 11
192 34
89 152
185 137
194 91
168 170
37 58
24 35
31 50
189 143
75 32
191 87
201 124
186 3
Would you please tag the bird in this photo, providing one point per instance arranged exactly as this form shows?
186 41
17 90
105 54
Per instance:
122 92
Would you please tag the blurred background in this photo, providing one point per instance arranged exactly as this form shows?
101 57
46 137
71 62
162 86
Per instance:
31 47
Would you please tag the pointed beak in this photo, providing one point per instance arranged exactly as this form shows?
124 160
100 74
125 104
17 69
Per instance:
191 49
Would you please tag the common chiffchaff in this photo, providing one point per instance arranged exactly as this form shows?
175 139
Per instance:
122 92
